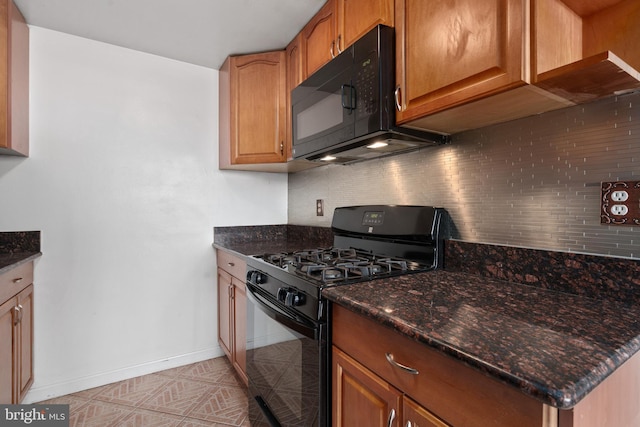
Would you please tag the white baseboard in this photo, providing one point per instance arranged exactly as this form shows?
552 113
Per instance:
46 392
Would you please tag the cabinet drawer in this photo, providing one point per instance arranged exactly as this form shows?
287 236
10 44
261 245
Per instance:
15 280
232 264
455 392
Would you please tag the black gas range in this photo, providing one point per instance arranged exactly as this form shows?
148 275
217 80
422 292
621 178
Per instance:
370 243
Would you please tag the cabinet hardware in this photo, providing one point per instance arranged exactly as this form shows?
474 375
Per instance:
17 316
405 368
281 148
17 280
20 312
392 416
396 95
231 264
338 43
331 50
409 424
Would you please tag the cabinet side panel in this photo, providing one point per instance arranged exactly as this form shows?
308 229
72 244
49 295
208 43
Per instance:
5 142
19 83
616 29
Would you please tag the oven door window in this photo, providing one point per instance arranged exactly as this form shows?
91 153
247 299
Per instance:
283 369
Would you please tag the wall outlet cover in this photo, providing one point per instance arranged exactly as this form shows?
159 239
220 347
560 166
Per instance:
620 203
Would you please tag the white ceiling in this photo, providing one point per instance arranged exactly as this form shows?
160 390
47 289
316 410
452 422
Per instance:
202 32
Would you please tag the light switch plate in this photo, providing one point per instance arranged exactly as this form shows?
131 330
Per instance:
620 203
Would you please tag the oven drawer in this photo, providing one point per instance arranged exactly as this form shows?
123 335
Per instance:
232 264
455 392
15 280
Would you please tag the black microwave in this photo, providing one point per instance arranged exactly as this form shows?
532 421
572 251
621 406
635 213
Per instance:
345 111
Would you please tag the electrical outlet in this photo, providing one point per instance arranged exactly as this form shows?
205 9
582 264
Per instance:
619 210
319 207
620 203
619 196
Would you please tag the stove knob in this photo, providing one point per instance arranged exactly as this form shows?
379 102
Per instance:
282 294
294 299
256 277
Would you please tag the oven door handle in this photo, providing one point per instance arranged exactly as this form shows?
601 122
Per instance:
296 323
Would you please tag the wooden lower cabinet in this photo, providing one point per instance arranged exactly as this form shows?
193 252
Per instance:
232 311
441 392
361 398
16 335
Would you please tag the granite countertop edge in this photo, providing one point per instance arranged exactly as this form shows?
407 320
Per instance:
11 261
563 398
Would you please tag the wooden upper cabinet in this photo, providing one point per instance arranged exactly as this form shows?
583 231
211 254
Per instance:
447 56
252 109
295 76
14 81
356 17
318 39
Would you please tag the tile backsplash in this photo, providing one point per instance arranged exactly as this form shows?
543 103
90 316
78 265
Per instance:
533 182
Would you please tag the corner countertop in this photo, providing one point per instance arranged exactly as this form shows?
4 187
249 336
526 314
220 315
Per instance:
554 346
551 324
18 247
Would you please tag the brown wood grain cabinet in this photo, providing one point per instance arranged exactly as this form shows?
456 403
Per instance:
252 109
447 56
16 333
354 19
318 39
370 390
295 76
482 63
337 25
14 81
232 310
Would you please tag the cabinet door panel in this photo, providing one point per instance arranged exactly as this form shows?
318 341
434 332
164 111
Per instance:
240 329
318 38
360 398
417 416
6 351
258 90
357 17
25 340
453 52
224 311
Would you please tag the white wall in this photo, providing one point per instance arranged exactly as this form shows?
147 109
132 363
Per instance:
123 183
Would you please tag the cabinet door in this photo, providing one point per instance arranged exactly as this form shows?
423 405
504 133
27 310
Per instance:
360 398
256 103
224 311
6 351
450 53
318 39
356 17
295 76
417 416
24 340
239 299
14 81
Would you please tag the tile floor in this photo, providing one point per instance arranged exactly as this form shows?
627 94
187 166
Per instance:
207 393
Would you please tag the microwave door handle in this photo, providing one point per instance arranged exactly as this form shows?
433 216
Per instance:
351 97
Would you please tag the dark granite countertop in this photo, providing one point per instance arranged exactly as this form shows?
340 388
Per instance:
18 247
552 324
272 239
553 346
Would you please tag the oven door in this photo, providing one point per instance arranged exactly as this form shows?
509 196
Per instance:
287 365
